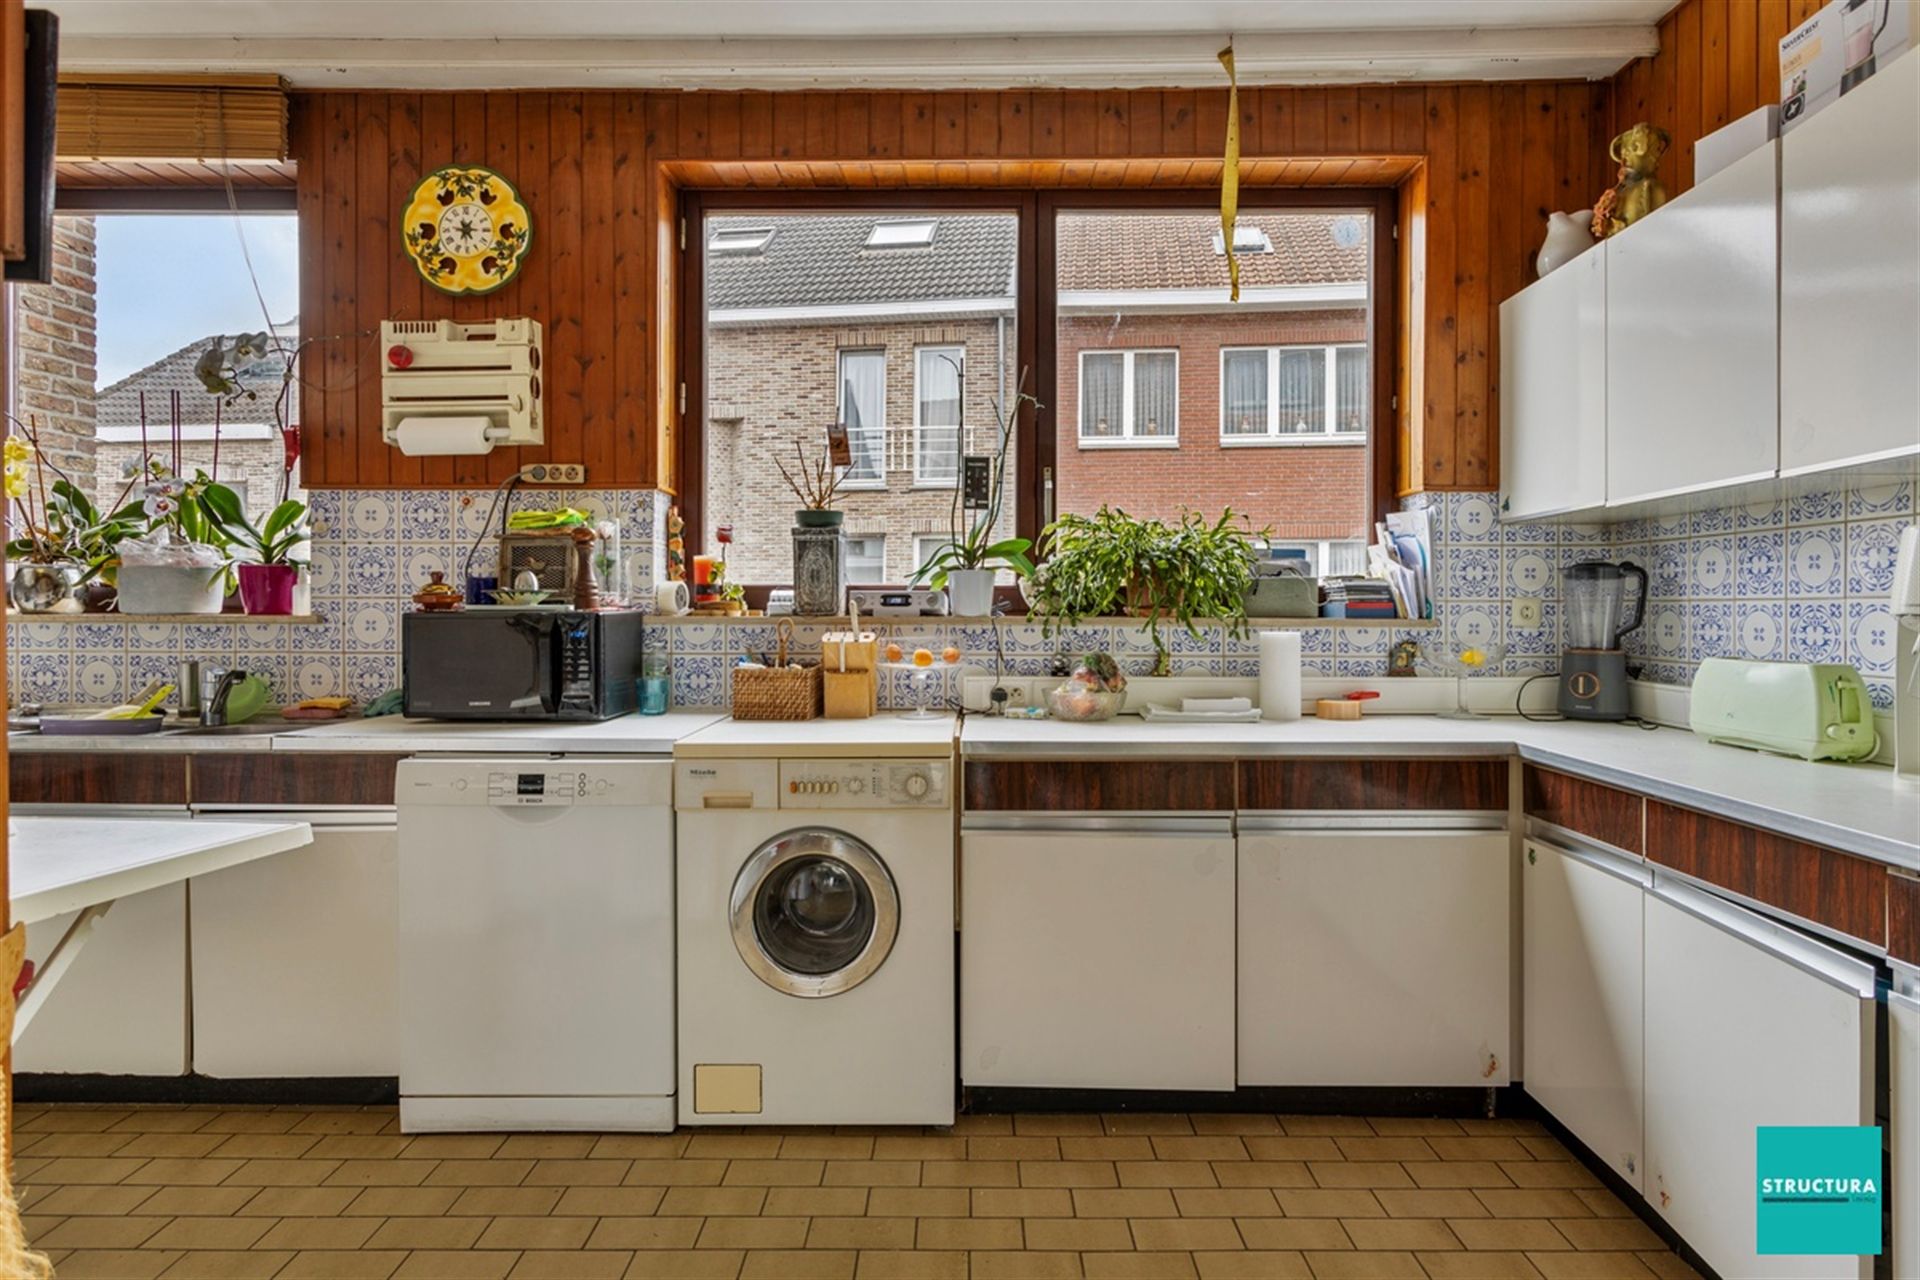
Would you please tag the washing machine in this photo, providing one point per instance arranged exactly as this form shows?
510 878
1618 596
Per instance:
816 940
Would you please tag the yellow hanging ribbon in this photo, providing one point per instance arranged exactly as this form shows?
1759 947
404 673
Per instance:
1230 175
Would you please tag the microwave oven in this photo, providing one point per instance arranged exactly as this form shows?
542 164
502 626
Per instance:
520 664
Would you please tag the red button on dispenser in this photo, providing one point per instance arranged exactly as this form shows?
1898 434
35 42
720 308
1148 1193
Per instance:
400 357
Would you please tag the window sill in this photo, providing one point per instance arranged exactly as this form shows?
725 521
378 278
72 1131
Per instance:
1297 440
1132 442
946 485
860 486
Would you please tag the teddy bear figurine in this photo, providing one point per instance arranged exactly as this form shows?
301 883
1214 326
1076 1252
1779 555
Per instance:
1637 193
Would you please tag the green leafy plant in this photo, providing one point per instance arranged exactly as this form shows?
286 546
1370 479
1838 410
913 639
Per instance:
1111 563
270 542
975 547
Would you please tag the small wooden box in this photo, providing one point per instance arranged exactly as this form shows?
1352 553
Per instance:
852 695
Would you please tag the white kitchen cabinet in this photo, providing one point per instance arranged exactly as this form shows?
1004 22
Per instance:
1693 359
1373 955
295 958
1582 1004
1097 958
1850 277
1553 392
1748 1023
121 1008
1903 1025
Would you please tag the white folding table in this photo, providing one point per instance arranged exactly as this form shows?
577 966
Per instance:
58 865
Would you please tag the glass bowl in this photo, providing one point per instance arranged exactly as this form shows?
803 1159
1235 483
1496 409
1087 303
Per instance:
1463 659
1078 703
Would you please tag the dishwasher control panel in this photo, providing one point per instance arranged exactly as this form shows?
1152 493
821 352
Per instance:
533 781
863 784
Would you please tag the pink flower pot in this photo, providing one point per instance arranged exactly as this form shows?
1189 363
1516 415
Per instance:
267 588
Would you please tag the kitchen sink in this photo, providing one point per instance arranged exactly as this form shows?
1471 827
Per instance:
229 730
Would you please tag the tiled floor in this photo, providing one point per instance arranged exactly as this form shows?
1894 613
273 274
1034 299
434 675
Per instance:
207 1192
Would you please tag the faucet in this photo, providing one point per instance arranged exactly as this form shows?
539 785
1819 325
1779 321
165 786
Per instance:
214 711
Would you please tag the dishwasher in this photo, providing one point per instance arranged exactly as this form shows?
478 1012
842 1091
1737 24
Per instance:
536 943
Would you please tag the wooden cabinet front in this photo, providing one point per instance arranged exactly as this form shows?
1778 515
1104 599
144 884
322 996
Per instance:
293 780
1368 783
1135 786
111 777
1593 809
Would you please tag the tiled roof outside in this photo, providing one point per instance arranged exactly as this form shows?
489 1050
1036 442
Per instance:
1175 251
119 405
823 261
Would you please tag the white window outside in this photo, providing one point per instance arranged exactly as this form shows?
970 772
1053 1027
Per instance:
1293 395
915 234
939 376
1130 399
1329 557
863 407
740 241
1246 239
867 559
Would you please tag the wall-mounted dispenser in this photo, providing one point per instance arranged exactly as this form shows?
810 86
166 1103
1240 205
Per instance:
451 388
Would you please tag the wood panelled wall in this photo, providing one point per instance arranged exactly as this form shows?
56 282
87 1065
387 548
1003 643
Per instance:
598 170
1718 60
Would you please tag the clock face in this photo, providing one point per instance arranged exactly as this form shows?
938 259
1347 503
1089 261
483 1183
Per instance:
466 230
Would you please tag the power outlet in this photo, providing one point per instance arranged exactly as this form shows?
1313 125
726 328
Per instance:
1525 613
554 473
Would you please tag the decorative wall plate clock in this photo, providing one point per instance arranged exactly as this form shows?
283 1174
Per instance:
466 229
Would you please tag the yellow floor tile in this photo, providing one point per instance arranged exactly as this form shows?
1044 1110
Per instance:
1298 1202
1216 1147
318 1233
704 1264
296 1202
427 1233
236 1264
1126 1202
808 1202
1253 1264
466 1264
968 1233
645 1233
892 1264
1067 1173
970 1173
799 1264
663 1172
1078 1234
486 1202
609 1202
1365 1266
1087 1147
75 1201
402 1202
1533 1204
215 1233
1400 1233
1478 1266
1363 1174
1024 1266
1508 1234
1226 1202
364 1264
1059 1126
115 1264
773 1173
863 1234
1589 1266
1185 1234
581 1172
919 1202
536 1233
1138 1266
1608 1233
1293 1233
1235 1124
825 1146
713 1202
1454 1202
1014 1148
872 1173
575 1264
753 1233
98 1232
1024 1202
1175 1173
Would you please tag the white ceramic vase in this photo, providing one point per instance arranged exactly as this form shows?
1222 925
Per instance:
1568 236
970 593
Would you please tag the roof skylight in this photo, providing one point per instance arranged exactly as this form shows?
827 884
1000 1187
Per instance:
1246 239
916 234
739 241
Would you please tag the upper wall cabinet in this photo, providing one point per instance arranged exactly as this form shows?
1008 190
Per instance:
1850 278
1693 339
1553 392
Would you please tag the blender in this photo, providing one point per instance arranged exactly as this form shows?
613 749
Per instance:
1603 602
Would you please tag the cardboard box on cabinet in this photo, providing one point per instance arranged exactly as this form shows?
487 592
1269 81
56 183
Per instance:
1837 49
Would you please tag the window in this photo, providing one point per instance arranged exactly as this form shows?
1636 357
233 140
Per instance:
141 298
1247 238
867 559
1129 398
916 234
1325 557
926 544
739 240
863 407
938 378
1277 394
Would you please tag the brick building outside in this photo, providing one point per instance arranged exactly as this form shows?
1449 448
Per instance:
55 326
817 319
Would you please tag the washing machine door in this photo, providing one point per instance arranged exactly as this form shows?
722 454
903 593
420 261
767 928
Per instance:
815 912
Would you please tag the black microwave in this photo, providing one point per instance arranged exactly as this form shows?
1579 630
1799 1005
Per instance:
520 664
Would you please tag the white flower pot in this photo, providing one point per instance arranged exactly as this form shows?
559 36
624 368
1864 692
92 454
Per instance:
970 593
147 589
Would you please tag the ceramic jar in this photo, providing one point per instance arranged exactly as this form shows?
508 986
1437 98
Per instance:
44 588
1568 236
819 571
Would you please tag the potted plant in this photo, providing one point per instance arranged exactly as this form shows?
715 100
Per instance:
267 573
1111 563
966 564
179 561
66 548
815 483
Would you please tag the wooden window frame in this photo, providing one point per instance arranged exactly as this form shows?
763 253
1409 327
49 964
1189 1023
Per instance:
1036 341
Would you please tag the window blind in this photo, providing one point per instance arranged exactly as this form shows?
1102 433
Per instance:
183 119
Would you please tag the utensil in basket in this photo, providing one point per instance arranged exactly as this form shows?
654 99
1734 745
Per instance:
783 691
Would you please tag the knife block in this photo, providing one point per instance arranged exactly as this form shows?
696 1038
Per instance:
852 695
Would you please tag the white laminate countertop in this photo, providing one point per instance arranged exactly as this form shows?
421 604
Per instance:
1856 808
888 734
64 864
625 735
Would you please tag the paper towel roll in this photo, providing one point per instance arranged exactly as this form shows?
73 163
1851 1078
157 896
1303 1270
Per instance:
1279 675
671 599
441 437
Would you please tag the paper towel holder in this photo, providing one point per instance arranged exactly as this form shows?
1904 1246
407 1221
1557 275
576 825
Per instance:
486 373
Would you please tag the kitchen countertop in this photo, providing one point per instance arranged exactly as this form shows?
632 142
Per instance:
625 735
1855 808
887 734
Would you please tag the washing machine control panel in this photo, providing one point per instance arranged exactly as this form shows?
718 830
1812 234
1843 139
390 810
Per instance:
864 784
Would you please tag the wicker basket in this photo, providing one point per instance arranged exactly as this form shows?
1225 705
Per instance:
778 692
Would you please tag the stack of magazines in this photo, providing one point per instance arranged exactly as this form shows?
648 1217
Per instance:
1355 597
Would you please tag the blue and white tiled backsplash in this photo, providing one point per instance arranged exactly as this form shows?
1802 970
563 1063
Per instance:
1803 579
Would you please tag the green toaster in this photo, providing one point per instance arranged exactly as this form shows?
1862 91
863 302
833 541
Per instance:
1814 710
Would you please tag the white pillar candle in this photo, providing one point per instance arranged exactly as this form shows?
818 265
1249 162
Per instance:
1280 675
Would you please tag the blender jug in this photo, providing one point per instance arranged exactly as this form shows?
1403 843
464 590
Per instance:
1603 602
